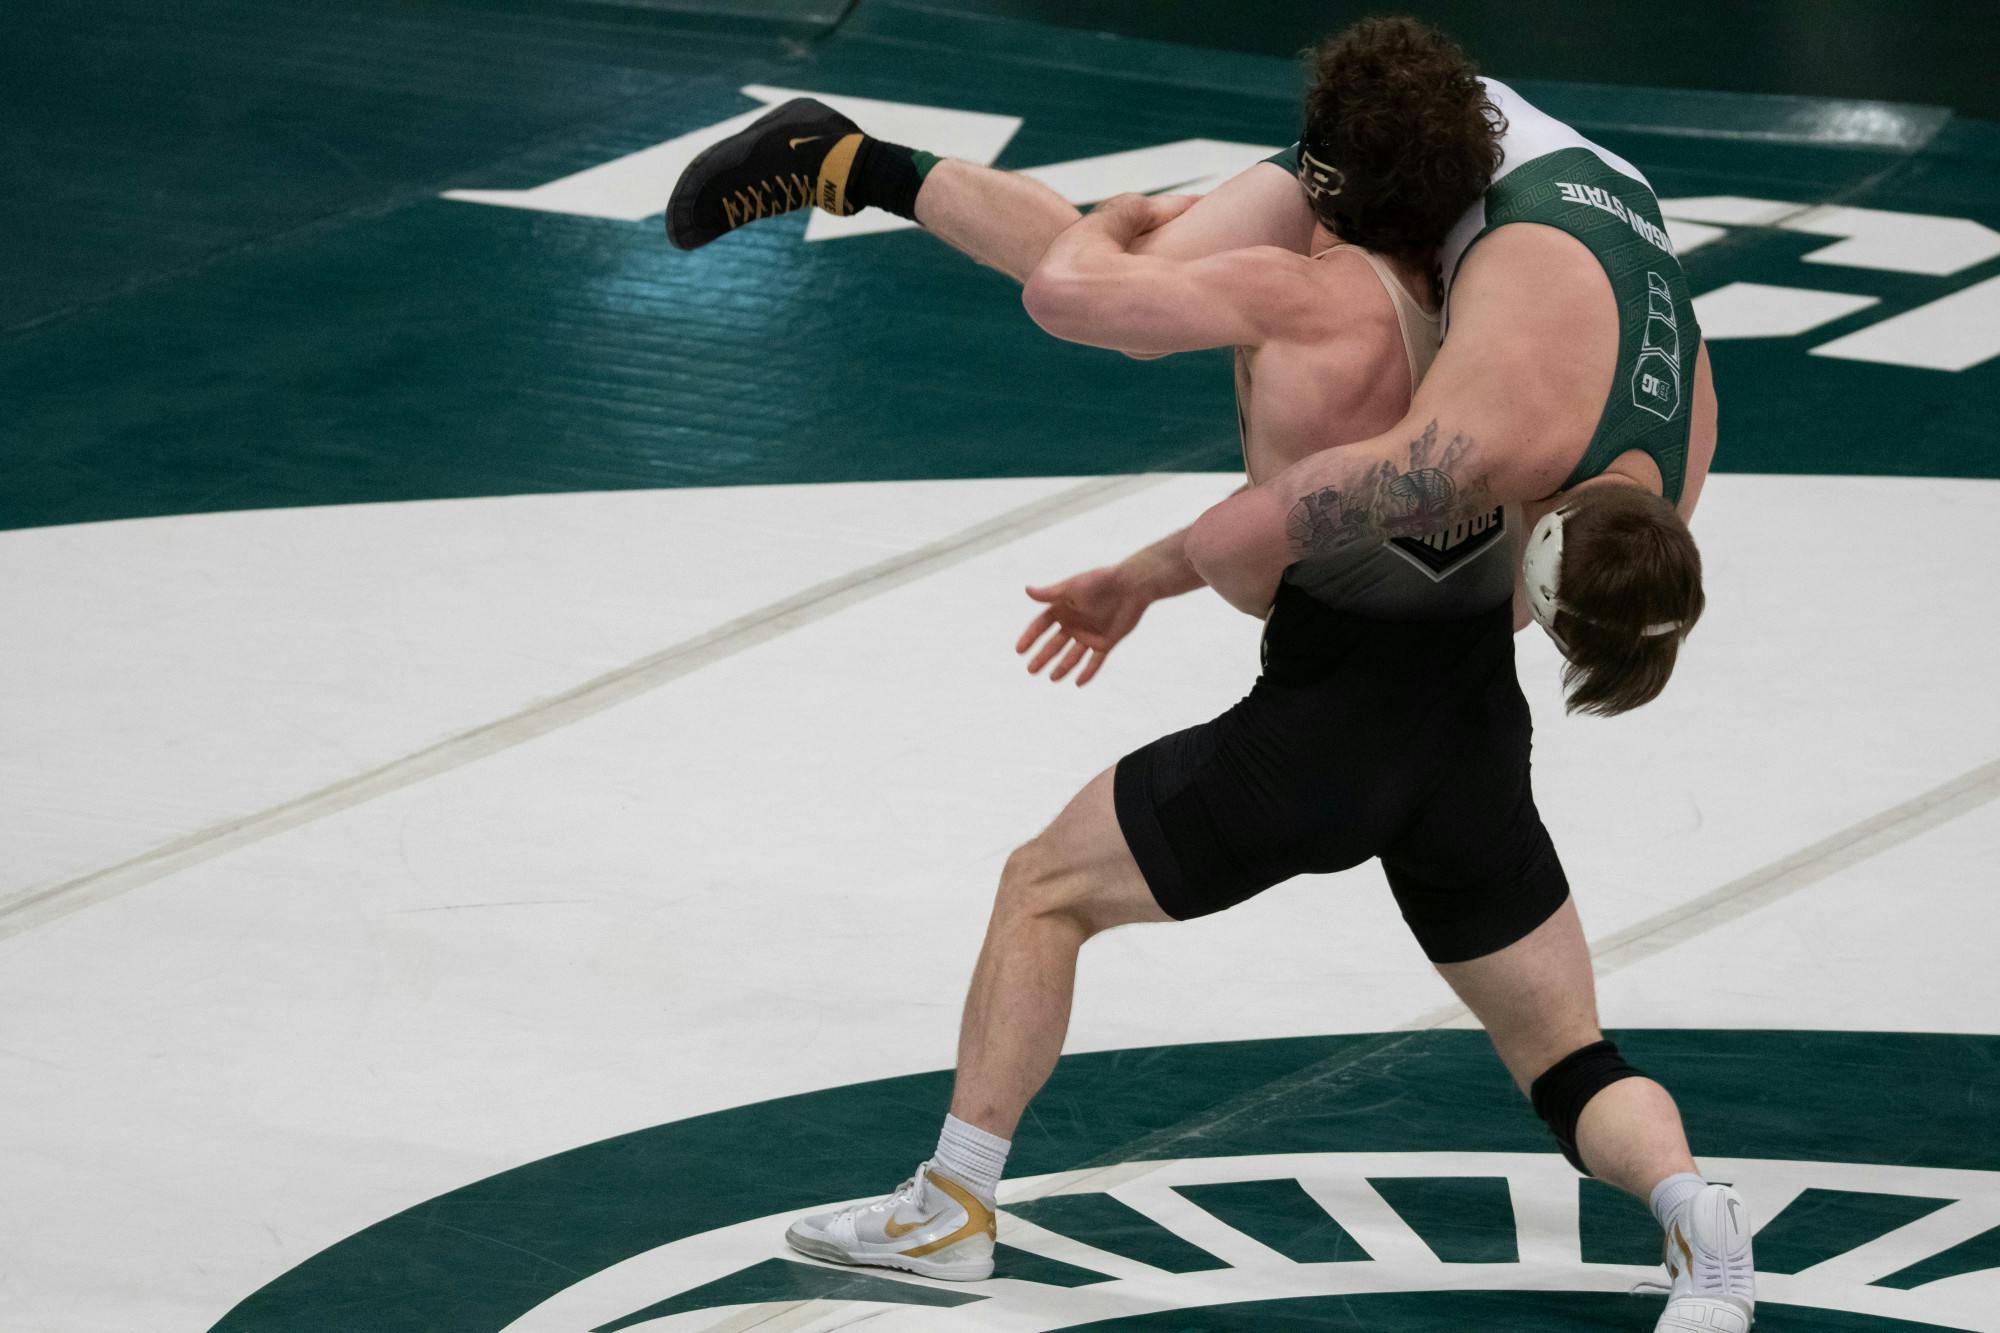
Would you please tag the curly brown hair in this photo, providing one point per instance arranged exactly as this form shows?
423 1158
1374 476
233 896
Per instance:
1398 114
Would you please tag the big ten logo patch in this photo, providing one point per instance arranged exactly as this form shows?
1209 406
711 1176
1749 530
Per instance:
1656 375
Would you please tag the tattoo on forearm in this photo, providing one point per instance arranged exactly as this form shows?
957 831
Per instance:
1388 501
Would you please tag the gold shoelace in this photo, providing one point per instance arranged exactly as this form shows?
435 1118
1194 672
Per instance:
786 193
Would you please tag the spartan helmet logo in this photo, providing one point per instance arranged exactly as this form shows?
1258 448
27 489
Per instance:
1320 181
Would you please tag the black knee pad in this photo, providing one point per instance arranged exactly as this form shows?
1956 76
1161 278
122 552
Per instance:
1561 1094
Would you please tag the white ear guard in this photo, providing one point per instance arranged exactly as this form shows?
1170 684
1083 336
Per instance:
1541 568
1541 573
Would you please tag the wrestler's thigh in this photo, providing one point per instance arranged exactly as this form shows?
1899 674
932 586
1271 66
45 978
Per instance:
1537 997
1081 864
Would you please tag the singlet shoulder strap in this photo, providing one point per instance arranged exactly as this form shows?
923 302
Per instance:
1418 327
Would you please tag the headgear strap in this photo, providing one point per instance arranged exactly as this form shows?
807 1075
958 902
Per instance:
1321 180
1334 194
1541 572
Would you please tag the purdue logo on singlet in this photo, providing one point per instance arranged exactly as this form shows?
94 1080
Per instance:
1439 553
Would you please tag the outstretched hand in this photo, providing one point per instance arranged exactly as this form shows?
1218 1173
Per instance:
1084 617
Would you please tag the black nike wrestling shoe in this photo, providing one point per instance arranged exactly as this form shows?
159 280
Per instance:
798 156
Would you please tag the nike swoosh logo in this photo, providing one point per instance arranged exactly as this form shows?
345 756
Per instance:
898 1230
1734 1220
795 143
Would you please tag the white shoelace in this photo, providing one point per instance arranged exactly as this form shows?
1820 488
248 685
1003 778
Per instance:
911 1190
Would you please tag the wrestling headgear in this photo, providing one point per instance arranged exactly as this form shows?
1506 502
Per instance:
1333 193
1541 573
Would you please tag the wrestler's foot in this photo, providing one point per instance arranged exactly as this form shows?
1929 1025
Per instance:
796 157
932 1225
1708 1257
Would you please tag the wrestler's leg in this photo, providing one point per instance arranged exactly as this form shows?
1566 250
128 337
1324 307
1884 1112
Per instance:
1001 218
1072 881
1538 1002
1075 879
804 154
1006 220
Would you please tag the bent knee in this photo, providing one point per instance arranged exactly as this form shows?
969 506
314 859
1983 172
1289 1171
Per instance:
1529 1055
1038 884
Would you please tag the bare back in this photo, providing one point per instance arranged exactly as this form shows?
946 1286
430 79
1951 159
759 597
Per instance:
1335 385
1339 382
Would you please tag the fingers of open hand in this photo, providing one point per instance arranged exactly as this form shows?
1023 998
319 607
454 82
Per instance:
1092 667
1076 654
1036 628
1057 642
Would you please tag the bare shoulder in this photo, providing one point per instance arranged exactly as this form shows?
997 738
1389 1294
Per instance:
1529 258
1262 267
1335 296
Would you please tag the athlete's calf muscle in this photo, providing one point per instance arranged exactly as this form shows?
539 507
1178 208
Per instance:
1007 221
999 218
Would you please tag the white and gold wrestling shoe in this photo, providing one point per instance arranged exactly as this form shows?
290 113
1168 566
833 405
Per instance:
1708 1257
932 1226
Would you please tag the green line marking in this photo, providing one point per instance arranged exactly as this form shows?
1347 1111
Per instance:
1102 1221
1280 1214
1615 1228
1464 1219
1969 1256
1025 1267
1822 1223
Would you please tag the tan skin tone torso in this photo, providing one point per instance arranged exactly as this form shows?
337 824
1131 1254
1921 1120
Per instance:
1525 372
1338 373
1523 363
1298 397
1507 410
1305 396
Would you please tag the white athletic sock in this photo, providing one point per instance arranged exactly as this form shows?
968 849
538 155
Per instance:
971 1156
1671 1193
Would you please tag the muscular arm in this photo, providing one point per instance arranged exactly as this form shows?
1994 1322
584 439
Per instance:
1092 288
1261 205
1343 498
1164 567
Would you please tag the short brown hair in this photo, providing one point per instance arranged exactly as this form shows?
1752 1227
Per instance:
1629 566
1397 109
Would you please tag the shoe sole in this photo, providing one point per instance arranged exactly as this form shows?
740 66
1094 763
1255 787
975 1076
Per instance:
1712 1320
833 1254
680 204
